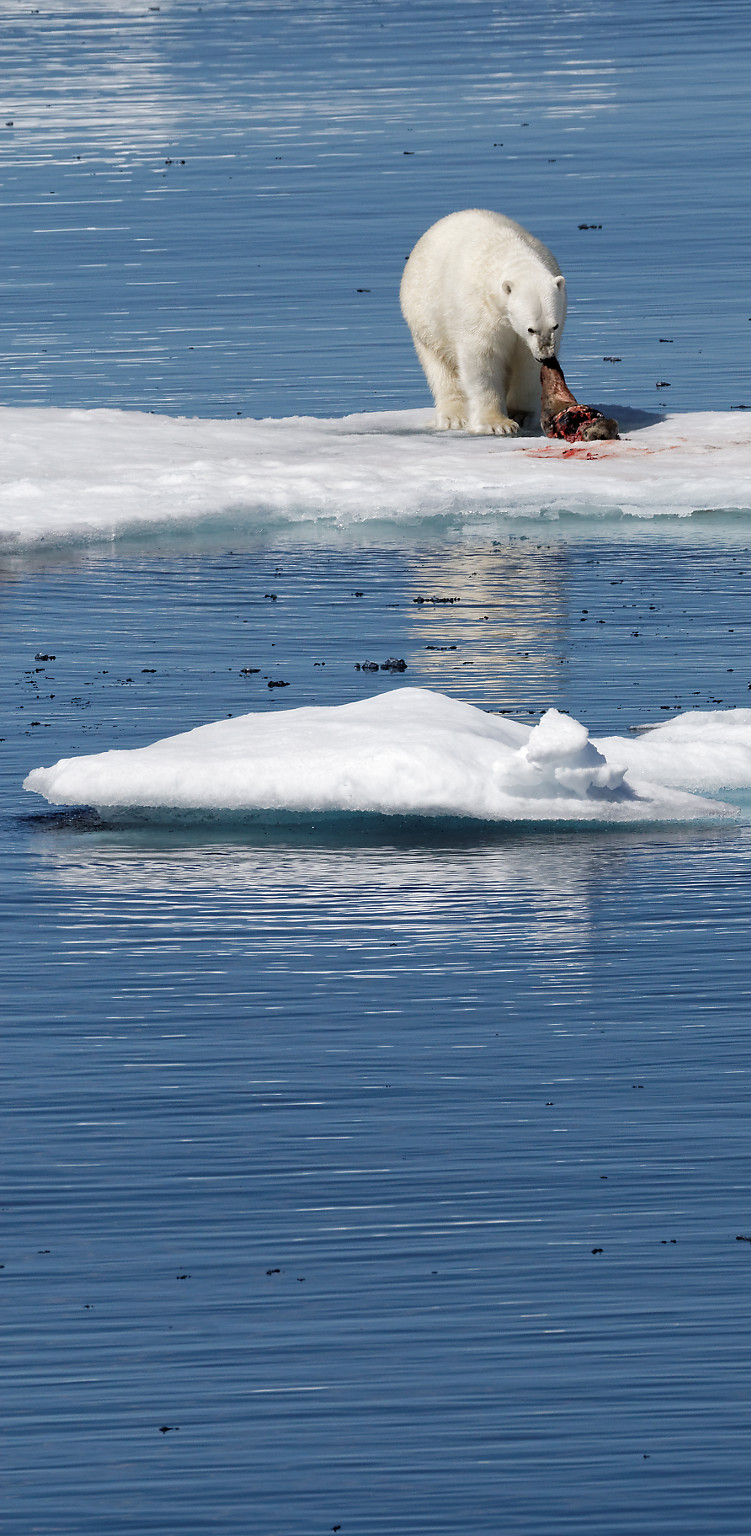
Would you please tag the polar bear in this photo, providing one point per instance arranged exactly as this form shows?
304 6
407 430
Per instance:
486 304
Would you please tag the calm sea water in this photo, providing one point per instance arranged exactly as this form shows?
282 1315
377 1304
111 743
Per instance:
207 209
382 1178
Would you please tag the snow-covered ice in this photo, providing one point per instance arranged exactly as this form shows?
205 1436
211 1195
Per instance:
702 750
410 752
93 474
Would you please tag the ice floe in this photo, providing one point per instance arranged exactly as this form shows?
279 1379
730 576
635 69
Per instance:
93 474
703 750
411 752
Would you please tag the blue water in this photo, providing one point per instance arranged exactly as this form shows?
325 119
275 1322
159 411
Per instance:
384 1177
207 209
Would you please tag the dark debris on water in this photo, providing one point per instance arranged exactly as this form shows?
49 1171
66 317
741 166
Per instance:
421 600
391 664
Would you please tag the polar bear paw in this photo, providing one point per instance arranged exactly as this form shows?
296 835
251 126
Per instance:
450 418
500 426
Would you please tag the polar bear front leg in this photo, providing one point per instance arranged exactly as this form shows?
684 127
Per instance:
450 404
479 378
523 394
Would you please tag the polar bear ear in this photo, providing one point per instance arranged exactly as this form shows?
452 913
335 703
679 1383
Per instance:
560 282
506 286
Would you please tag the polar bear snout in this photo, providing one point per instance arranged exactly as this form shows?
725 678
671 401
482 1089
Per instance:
543 353
542 343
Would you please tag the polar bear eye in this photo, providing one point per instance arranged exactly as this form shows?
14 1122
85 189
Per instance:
555 327
530 332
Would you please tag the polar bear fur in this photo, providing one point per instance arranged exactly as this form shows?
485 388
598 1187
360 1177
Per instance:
486 304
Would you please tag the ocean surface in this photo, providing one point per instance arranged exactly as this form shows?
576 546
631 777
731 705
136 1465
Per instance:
381 1177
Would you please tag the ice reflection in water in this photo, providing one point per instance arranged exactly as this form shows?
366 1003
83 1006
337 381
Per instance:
504 603
507 905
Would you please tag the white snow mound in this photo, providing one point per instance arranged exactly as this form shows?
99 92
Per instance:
699 750
409 752
76 475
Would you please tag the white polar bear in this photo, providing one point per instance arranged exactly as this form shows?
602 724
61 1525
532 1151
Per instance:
486 305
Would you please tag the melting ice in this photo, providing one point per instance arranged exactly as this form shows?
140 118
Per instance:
78 474
411 752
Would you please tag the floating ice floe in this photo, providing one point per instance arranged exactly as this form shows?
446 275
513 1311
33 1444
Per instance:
407 753
700 750
76 475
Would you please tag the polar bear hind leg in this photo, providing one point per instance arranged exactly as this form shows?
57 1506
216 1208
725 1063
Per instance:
450 403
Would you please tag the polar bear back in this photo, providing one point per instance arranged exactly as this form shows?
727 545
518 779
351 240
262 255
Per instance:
458 263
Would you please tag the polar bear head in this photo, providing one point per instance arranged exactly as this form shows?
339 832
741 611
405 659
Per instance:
536 310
